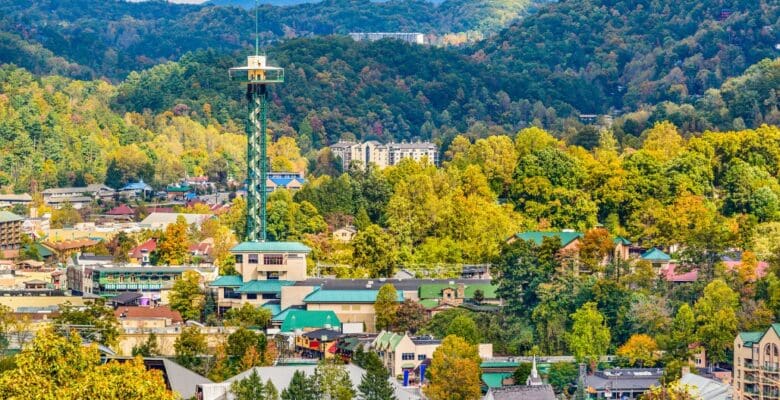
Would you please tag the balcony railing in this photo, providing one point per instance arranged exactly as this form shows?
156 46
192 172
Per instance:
771 367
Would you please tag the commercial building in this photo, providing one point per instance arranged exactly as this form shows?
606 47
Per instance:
10 231
757 364
622 383
109 281
382 155
351 306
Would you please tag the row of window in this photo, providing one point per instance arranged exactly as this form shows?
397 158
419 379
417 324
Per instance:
231 293
410 357
268 259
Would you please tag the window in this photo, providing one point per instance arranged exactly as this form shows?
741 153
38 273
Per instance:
272 275
251 296
270 296
421 357
239 258
273 259
356 307
345 307
230 293
253 258
407 356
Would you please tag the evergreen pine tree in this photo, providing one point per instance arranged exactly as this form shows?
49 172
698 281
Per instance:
300 388
375 384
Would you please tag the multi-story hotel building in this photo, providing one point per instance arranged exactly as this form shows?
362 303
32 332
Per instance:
757 365
383 155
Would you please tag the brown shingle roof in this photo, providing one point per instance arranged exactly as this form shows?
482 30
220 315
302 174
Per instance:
137 312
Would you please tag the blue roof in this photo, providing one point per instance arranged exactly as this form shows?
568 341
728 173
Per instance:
228 281
347 296
264 286
274 308
140 185
538 237
655 255
269 247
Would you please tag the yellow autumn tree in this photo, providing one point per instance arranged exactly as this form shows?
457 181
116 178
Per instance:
58 367
663 142
639 349
172 249
454 371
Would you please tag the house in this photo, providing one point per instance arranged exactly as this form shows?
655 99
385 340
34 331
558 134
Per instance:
136 189
628 383
142 253
569 241
657 258
401 352
77 196
201 251
122 212
450 295
349 305
65 249
160 221
284 180
145 317
35 284
345 234
756 364
10 231
521 392
8 200
177 192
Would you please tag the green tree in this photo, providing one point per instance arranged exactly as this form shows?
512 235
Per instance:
240 342
520 376
717 319
300 388
454 371
252 388
172 247
465 328
375 384
95 321
374 249
333 382
247 316
589 337
186 296
189 346
65 216
386 306
521 268
682 333
562 375
148 348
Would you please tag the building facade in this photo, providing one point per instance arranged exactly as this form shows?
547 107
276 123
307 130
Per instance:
408 37
383 155
10 231
757 364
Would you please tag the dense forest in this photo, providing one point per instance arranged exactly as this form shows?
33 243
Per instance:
112 38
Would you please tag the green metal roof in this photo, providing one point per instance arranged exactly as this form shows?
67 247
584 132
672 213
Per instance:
751 337
228 281
270 247
178 189
655 255
43 251
307 319
264 286
279 317
433 290
499 364
429 303
494 380
622 240
7 216
388 340
347 296
537 237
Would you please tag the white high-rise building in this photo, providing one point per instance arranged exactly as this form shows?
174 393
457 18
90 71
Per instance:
381 155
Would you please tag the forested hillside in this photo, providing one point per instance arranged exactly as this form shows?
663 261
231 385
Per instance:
112 38
603 54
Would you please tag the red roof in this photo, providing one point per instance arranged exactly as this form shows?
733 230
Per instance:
670 276
203 247
140 312
145 247
124 209
761 267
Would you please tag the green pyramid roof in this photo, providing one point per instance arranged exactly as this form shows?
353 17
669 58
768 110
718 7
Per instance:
655 255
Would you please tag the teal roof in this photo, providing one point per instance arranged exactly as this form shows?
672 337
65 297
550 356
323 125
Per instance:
43 251
7 216
388 340
499 364
621 240
264 286
346 296
274 308
269 247
655 255
537 237
494 380
309 319
282 315
228 281
748 338
178 189
433 290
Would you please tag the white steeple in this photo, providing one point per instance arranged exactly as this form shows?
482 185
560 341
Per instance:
533 378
